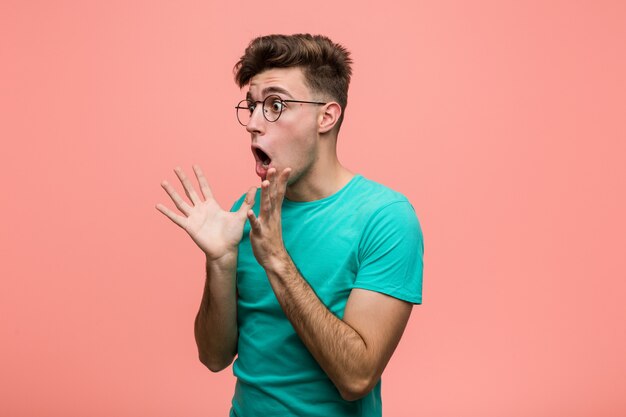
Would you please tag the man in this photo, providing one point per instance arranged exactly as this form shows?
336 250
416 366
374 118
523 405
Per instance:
310 280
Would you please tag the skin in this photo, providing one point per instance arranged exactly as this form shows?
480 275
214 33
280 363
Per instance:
353 351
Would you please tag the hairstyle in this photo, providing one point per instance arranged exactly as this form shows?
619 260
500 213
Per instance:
326 65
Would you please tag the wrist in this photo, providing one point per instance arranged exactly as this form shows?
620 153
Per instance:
279 264
225 261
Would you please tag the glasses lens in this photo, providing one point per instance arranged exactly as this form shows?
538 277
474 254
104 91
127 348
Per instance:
244 111
273 106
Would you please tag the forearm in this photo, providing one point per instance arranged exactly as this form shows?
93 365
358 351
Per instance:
338 348
216 322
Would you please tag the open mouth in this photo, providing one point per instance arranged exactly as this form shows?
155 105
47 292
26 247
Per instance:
262 156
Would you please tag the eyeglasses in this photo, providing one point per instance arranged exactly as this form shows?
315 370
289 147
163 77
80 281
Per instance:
272 106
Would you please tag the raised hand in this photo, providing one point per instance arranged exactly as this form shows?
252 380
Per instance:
266 233
216 231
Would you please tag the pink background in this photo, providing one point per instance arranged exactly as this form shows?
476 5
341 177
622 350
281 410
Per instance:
503 122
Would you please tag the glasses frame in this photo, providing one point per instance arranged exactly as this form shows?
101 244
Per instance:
248 102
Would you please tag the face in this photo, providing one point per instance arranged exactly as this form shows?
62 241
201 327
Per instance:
291 141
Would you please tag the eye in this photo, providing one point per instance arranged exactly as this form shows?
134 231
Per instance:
276 105
251 106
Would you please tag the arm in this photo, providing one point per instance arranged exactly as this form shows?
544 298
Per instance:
354 351
215 327
217 233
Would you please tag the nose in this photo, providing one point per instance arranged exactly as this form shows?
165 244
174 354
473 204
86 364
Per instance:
256 124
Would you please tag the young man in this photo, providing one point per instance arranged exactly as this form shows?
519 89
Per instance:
310 280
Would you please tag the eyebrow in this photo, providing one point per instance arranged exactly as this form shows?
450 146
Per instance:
270 90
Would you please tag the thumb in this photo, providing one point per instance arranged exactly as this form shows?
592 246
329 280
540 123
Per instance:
248 202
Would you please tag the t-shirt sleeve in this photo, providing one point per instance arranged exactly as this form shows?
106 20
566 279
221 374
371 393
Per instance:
391 253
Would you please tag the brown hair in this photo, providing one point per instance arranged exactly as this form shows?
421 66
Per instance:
326 65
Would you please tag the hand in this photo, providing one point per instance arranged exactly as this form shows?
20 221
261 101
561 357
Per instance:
266 233
216 231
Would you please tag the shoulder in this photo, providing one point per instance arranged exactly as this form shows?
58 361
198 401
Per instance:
374 200
385 214
391 247
376 190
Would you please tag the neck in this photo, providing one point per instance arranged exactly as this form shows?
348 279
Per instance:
325 178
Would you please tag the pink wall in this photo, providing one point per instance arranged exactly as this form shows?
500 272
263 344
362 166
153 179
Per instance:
503 122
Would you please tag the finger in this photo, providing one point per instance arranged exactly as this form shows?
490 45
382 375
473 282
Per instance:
248 202
189 190
283 180
178 219
204 184
178 201
279 188
271 177
255 224
266 204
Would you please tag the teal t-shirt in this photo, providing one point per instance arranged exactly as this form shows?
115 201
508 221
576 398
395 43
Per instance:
363 236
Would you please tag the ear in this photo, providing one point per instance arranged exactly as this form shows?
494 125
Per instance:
329 117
